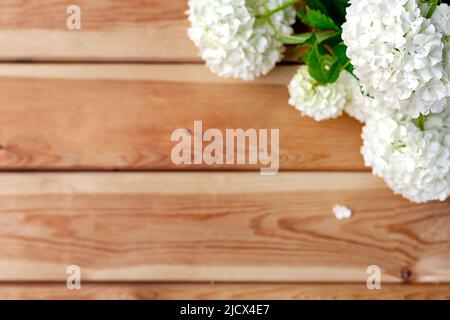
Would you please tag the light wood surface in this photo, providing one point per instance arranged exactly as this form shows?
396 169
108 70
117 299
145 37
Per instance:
111 30
236 291
124 30
105 117
107 97
216 227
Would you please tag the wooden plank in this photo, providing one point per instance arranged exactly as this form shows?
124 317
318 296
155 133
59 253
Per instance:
217 227
105 117
111 30
140 30
235 291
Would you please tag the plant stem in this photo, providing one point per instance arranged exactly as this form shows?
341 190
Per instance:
330 51
277 32
346 65
267 14
432 9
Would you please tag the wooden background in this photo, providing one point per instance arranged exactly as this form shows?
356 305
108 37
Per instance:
86 176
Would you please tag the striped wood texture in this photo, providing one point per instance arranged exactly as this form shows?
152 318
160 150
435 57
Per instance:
229 291
107 98
216 227
106 117
111 30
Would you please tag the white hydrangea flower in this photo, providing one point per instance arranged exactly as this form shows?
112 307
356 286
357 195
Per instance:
414 163
441 18
358 105
320 102
232 41
446 77
397 54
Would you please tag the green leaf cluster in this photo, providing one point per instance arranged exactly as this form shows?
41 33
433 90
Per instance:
324 51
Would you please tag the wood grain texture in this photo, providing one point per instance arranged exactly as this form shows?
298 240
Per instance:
111 30
221 291
106 117
217 227
139 30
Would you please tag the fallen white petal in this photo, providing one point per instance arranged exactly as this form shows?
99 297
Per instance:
341 212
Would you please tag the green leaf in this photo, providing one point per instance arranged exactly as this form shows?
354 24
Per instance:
420 122
323 67
328 37
350 68
335 9
317 5
318 20
294 39
304 57
340 51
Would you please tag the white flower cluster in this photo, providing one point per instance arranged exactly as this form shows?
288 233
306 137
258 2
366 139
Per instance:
359 105
323 102
398 54
314 100
414 163
232 41
441 19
